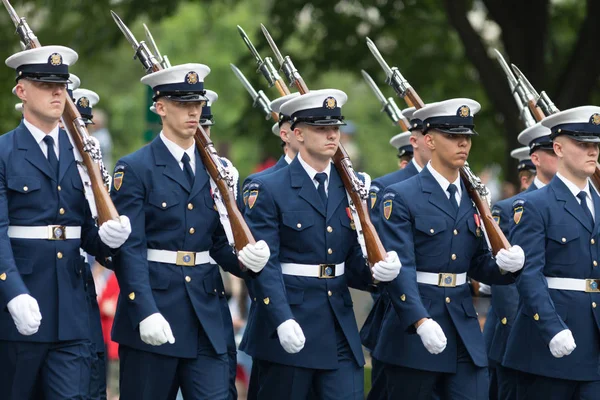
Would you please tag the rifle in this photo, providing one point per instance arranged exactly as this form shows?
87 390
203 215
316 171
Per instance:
356 189
259 99
477 191
76 129
389 105
265 66
224 180
542 100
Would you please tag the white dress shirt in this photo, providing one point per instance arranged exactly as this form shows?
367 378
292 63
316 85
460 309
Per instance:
177 152
288 159
312 172
416 164
538 184
39 136
573 188
445 183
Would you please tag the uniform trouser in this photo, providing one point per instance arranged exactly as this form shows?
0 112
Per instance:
378 385
469 382
144 375
278 381
507 383
232 360
50 371
533 387
97 374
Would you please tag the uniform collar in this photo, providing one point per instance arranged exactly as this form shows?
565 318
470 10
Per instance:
573 188
176 150
288 159
311 171
443 182
538 184
39 135
416 164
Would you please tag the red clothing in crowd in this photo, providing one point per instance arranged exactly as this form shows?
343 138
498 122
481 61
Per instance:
107 302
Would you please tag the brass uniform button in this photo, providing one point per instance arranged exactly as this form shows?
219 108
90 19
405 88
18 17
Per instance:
431 230
192 230
403 297
595 263
455 232
59 188
536 317
25 188
564 240
453 257
329 293
223 293
59 255
329 229
164 205
593 303
188 279
266 300
190 206
3 276
298 225
329 251
504 321
448 300
592 241
132 296
61 211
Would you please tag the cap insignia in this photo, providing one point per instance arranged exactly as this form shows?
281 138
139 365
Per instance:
191 78
83 102
595 119
330 103
55 59
463 111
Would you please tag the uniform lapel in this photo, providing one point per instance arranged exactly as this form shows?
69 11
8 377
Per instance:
308 192
66 157
163 157
572 206
436 195
201 177
466 205
336 192
596 200
26 141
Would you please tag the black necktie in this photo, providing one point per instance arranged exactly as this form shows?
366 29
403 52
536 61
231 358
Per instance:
321 177
187 168
452 190
51 154
583 197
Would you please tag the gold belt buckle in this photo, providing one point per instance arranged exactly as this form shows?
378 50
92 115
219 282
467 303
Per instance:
326 271
186 258
57 232
446 280
592 285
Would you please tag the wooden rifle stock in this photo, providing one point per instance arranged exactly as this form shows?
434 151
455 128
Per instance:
282 88
75 127
375 250
412 99
537 112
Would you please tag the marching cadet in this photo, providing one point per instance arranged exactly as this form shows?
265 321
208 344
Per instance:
554 343
290 147
304 330
372 326
405 150
431 337
288 142
166 271
538 170
45 220
85 100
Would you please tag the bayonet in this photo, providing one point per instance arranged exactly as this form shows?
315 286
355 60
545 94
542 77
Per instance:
517 90
26 35
164 62
542 100
259 99
389 105
287 66
395 79
265 66
142 52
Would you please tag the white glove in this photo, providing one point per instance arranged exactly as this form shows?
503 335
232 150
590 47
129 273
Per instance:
115 233
387 270
291 336
432 336
511 260
255 256
562 344
155 330
25 312
485 289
